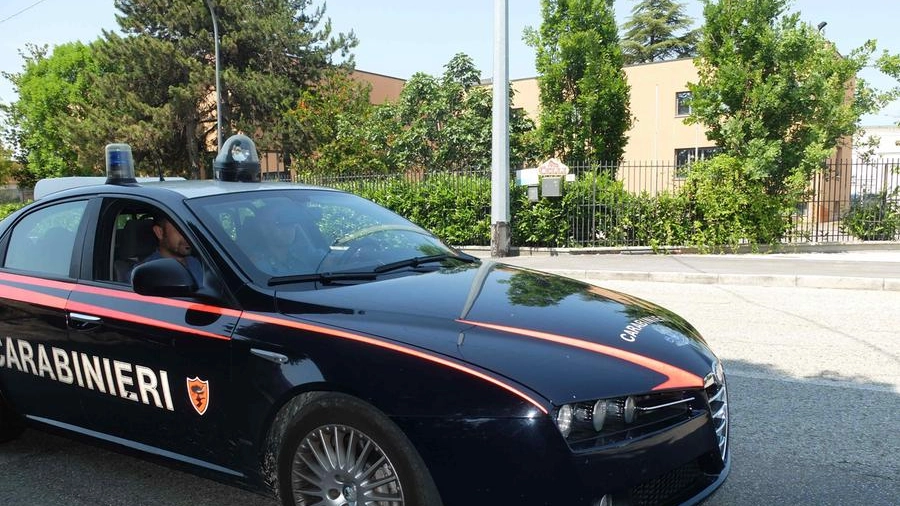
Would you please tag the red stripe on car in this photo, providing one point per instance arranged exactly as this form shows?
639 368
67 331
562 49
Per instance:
675 377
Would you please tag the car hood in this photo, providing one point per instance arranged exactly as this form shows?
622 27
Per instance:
562 338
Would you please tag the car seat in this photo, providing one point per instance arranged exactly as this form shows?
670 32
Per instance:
136 242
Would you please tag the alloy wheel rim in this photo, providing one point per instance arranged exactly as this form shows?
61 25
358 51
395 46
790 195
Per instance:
336 465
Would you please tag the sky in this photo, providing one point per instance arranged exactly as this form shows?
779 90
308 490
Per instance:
401 37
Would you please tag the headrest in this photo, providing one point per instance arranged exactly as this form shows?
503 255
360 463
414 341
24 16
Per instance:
137 239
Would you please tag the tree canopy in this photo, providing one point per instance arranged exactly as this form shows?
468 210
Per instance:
52 91
153 86
658 30
437 123
585 111
774 92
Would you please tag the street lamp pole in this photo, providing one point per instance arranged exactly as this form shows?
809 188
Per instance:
215 21
500 233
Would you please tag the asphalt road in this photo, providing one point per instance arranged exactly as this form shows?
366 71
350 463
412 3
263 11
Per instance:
814 389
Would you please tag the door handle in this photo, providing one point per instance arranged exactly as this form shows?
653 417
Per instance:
83 321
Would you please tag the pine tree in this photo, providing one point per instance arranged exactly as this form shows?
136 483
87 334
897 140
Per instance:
157 85
652 32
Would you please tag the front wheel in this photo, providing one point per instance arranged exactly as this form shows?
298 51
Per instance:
340 451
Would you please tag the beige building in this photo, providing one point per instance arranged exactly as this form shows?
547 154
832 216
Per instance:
659 106
383 88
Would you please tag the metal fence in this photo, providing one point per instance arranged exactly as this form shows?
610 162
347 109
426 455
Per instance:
849 201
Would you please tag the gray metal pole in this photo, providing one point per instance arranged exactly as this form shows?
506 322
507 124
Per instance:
215 21
500 232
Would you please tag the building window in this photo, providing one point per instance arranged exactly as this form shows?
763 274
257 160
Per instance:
683 103
684 157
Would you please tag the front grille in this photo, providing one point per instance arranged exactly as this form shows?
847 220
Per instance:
718 406
670 487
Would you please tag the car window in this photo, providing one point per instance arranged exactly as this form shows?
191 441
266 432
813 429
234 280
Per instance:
43 240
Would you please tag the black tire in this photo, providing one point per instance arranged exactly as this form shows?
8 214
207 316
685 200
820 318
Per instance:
373 462
11 424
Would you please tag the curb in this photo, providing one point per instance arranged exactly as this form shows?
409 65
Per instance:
770 280
525 251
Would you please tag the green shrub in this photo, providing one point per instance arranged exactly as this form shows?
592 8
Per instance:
873 217
664 220
7 209
730 207
541 223
455 207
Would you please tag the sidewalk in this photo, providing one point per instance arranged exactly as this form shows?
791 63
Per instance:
859 270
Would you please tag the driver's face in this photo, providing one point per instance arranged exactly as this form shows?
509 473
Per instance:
171 242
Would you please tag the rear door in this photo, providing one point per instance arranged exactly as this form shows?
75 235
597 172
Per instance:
39 374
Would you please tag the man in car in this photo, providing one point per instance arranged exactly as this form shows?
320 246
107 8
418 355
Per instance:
284 248
173 245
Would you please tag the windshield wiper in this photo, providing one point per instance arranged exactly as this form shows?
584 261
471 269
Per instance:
322 277
417 261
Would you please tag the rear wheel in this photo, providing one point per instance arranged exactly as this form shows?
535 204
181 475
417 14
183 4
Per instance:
340 451
11 425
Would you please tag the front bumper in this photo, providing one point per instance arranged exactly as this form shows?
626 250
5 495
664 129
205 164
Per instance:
526 462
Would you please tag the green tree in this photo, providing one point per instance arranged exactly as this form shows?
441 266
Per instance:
437 123
445 122
332 114
8 164
658 30
51 90
774 93
158 81
585 112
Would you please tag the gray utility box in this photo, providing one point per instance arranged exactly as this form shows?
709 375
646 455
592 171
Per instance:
551 186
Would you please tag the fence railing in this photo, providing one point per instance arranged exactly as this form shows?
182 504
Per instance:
849 201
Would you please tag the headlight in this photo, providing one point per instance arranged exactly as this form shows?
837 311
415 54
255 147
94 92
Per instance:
598 414
606 421
564 419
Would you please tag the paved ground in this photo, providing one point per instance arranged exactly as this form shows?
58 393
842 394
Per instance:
864 269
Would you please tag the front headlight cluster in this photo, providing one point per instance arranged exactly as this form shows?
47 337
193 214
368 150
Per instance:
606 421
591 418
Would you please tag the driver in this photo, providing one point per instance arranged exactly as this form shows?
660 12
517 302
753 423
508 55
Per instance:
285 248
173 245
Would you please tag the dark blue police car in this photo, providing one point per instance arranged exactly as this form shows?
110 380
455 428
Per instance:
332 353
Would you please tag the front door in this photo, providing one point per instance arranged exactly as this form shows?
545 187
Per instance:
159 368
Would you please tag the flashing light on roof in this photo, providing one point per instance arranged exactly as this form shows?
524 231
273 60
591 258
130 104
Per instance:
119 164
237 161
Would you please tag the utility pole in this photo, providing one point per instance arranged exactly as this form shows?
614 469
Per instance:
500 231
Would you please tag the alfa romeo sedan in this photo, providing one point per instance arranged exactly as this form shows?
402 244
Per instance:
306 343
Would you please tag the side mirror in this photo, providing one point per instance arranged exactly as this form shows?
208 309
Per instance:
164 277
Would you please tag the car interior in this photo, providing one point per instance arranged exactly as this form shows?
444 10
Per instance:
134 242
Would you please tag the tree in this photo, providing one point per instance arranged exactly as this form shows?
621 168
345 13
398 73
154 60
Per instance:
652 32
51 92
584 95
157 88
437 123
774 93
332 114
8 165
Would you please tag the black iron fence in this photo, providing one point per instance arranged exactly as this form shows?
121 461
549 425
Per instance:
622 205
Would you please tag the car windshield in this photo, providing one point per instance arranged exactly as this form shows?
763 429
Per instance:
295 235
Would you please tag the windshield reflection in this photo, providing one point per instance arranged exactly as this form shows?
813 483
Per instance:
311 235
